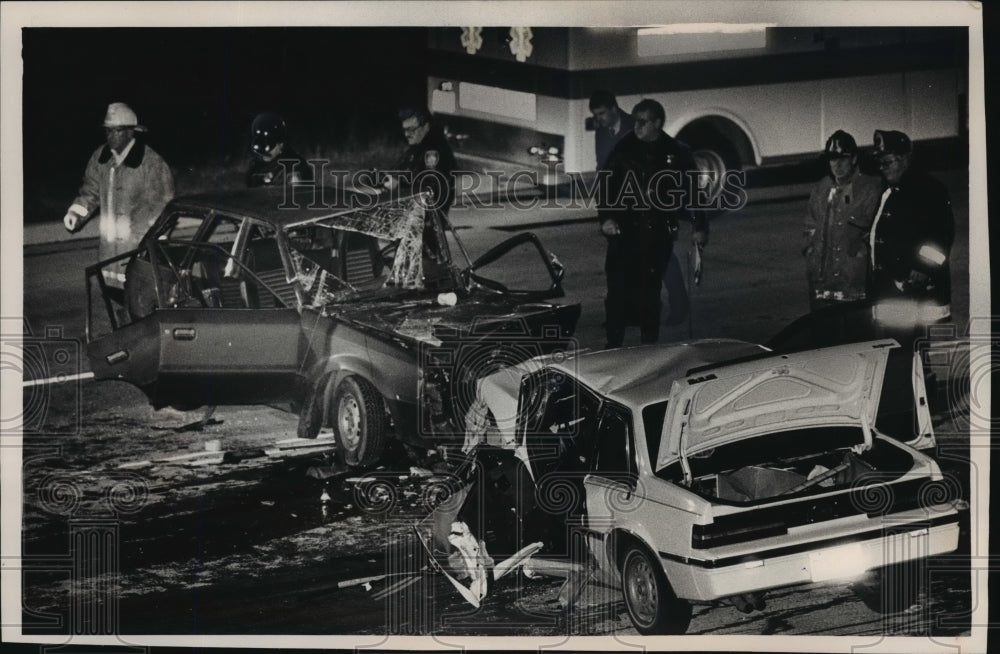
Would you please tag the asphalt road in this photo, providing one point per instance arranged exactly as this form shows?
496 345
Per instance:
246 546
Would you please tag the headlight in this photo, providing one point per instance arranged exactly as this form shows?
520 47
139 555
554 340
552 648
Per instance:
907 313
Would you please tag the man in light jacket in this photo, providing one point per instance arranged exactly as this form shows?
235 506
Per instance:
128 183
842 206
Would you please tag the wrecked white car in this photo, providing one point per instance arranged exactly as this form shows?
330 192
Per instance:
719 470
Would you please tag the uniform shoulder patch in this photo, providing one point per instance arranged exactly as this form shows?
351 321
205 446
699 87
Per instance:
431 158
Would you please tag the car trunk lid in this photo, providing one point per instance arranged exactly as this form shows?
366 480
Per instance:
832 386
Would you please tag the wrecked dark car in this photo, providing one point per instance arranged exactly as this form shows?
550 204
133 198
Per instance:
715 470
349 311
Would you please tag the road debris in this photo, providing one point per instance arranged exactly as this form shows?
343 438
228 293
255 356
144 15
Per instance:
521 558
300 446
469 561
194 458
576 574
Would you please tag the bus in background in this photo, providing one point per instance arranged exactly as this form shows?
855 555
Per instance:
740 95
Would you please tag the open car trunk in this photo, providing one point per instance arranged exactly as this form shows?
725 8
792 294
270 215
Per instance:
728 407
790 464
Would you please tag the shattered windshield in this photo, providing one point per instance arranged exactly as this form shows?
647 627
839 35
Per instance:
360 251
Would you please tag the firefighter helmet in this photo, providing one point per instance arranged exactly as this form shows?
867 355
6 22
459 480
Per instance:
266 133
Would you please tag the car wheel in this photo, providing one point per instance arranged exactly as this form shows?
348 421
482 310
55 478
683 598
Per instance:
359 421
651 602
893 588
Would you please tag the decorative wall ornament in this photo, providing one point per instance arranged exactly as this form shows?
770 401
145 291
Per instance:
472 39
520 42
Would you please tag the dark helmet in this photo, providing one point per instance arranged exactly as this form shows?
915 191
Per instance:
891 142
840 144
266 132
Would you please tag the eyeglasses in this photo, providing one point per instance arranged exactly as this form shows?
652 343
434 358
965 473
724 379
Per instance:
889 162
409 131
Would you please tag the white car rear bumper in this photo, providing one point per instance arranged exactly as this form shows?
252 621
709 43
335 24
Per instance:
840 558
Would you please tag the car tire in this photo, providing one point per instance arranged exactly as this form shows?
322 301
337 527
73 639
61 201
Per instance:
359 422
652 605
892 589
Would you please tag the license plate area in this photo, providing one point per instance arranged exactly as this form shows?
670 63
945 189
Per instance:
839 562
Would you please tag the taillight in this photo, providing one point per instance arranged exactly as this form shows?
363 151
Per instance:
716 535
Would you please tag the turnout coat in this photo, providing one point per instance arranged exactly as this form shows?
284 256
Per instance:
836 242
911 242
130 197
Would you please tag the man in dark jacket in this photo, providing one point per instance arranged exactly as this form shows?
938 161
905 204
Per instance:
427 166
611 124
428 163
649 192
912 233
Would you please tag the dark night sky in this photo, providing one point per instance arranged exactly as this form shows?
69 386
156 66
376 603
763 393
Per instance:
197 89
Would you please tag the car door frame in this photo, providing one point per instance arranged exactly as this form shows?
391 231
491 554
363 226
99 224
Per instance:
206 375
555 270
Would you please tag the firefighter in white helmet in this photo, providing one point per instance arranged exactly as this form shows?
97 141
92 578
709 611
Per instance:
127 183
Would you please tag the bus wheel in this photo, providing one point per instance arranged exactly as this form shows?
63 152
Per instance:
713 162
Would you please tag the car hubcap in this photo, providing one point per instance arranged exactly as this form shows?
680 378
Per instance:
640 590
349 422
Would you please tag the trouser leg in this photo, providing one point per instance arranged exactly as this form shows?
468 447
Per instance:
677 294
651 303
614 302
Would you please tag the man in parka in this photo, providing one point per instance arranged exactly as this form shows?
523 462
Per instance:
841 209
128 183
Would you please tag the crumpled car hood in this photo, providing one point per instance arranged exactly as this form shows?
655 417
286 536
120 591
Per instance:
428 321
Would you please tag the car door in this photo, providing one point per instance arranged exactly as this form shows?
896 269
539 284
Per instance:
611 485
519 266
614 468
201 351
